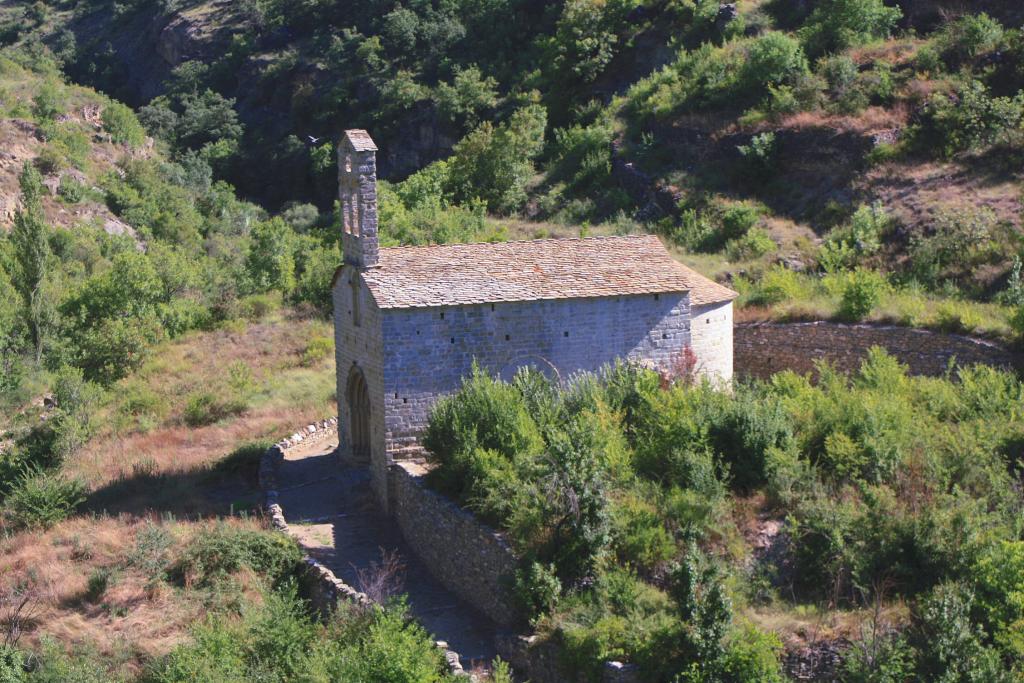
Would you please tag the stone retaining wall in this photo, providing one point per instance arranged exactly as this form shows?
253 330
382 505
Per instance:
762 349
319 584
467 557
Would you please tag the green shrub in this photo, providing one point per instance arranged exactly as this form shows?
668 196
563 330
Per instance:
493 164
742 433
972 120
317 349
99 581
847 246
70 189
755 244
639 537
950 645
778 284
39 500
999 582
537 589
957 316
12 664
835 25
674 446
862 291
207 407
968 37
752 656
841 73
256 307
760 155
124 128
773 59
881 658
225 549
392 648
484 414
48 102
152 552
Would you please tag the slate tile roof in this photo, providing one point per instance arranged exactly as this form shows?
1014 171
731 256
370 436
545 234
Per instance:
360 140
458 274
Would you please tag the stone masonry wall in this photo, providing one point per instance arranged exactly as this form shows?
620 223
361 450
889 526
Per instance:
711 331
467 557
319 585
762 349
430 350
360 347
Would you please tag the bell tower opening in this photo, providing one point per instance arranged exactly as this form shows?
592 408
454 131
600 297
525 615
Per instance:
357 195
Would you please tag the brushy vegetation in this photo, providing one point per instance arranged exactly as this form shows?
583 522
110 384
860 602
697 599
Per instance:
620 493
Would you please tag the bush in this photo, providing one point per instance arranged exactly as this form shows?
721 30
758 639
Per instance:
957 317
968 37
484 414
639 537
317 349
225 549
861 293
119 120
773 59
537 589
98 583
970 120
951 647
760 155
40 500
205 408
70 189
777 285
835 25
493 164
12 664
752 656
755 244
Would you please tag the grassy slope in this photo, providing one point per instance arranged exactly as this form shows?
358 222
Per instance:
150 468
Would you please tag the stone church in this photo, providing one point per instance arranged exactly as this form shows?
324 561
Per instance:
410 321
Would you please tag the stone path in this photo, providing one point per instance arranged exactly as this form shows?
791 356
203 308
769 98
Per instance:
330 510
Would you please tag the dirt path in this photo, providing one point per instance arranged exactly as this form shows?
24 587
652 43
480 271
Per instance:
330 510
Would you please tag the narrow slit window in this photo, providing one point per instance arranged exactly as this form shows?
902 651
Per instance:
357 319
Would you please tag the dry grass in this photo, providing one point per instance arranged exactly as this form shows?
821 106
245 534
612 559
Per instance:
802 625
136 618
146 471
284 394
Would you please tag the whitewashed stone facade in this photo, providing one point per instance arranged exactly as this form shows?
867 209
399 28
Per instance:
411 321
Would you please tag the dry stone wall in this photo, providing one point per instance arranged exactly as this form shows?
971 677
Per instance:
320 585
762 349
467 557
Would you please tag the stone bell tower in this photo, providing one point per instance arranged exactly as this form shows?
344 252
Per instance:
357 192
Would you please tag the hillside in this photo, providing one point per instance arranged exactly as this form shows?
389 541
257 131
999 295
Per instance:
768 140
167 241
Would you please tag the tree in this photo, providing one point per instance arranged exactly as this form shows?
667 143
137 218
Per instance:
32 258
270 263
119 120
835 25
495 163
10 335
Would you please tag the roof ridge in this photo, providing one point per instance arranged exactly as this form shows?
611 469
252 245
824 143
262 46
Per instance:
591 238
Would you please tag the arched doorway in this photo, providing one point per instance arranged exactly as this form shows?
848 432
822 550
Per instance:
358 399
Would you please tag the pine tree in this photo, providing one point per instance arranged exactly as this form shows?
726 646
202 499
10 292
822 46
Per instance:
32 258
